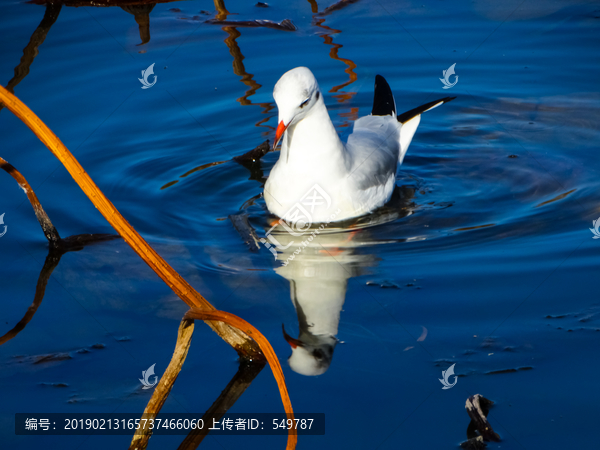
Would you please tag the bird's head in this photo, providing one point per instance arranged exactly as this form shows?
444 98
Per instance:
311 357
295 93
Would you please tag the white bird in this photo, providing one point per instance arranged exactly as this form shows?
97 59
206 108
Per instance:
319 179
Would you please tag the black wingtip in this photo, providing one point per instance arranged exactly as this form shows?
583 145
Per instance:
405 117
383 101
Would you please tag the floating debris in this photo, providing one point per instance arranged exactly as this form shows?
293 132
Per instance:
284 25
384 284
51 358
479 429
493 372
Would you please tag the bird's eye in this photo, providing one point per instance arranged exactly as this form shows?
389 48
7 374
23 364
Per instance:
304 103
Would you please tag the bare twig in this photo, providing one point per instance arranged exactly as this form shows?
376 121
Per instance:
478 408
163 388
49 230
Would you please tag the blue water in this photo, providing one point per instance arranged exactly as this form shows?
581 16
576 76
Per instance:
487 246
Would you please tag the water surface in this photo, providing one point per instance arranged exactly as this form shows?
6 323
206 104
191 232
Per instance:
486 246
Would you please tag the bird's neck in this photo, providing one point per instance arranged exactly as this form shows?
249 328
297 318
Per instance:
313 140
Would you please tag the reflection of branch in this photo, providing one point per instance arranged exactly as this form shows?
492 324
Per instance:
267 351
50 264
31 50
163 389
240 70
247 371
100 3
142 17
333 54
58 247
245 375
71 243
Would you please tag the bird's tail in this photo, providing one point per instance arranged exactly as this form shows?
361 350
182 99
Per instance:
383 101
410 121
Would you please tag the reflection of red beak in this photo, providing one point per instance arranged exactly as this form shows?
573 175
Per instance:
290 340
280 130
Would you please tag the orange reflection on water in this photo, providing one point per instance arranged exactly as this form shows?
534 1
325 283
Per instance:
333 54
247 78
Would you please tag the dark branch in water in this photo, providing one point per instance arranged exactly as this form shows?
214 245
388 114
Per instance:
479 428
49 230
284 25
251 161
245 375
58 247
245 230
52 261
99 3
69 244
31 50
253 155
335 7
247 371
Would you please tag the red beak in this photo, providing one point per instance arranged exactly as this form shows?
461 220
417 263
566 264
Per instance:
280 130
290 340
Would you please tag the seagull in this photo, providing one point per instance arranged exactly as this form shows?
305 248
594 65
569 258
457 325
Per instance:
318 178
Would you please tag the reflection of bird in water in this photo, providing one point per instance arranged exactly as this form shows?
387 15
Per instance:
357 177
318 284
318 277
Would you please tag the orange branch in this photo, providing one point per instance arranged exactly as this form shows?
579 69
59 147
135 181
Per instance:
240 342
267 350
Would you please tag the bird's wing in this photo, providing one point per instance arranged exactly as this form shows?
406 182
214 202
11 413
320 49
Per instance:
373 150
